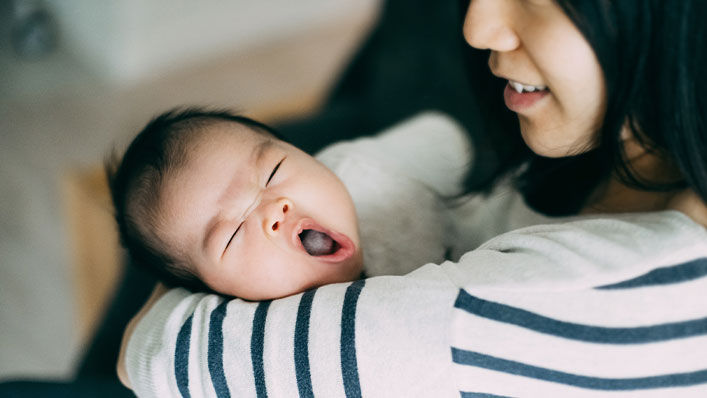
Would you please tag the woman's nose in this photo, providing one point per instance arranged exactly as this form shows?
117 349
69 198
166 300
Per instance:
488 25
275 213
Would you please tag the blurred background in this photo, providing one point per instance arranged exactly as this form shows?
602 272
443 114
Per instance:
81 77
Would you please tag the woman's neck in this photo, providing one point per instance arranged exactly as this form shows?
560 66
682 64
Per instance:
614 196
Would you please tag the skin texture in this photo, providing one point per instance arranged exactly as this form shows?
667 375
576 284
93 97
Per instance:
533 42
236 179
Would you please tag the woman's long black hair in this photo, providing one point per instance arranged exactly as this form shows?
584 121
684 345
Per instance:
653 55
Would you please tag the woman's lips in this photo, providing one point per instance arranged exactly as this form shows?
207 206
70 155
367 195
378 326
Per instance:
346 245
518 102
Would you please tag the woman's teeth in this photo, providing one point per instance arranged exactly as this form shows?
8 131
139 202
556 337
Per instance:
520 88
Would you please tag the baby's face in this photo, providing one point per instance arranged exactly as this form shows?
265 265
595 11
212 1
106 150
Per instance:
258 218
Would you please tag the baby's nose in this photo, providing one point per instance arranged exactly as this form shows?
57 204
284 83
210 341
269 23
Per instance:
276 214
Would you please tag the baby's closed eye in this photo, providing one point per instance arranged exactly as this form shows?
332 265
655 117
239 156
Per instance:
232 236
277 166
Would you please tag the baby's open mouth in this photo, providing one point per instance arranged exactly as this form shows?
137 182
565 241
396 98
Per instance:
317 243
326 245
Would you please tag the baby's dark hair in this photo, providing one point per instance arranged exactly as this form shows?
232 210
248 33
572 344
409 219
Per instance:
159 149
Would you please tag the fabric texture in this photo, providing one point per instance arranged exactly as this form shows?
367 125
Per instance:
564 307
401 183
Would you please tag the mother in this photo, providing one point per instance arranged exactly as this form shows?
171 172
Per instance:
612 105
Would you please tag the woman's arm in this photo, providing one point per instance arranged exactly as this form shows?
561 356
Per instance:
522 313
381 334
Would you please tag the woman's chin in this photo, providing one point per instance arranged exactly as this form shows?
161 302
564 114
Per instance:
550 149
552 141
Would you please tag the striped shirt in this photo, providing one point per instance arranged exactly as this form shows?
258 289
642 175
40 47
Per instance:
535 312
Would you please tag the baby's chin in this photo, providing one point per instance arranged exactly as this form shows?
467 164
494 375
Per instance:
352 268
350 271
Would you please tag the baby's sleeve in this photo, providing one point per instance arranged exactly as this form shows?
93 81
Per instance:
430 147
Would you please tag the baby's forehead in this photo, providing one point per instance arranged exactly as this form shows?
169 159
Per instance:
228 141
227 131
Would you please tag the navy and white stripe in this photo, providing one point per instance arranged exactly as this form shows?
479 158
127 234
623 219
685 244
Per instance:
257 342
181 357
597 342
471 358
302 368
349 365
300 348
215 351
517 317
685 272
596 334
469 394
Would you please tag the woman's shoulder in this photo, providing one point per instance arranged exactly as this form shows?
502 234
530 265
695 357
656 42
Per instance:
582 251
691 205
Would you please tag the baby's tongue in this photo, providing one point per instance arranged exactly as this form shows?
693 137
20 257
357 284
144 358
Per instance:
317 243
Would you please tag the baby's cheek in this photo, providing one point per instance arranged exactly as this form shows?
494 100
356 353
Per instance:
356 267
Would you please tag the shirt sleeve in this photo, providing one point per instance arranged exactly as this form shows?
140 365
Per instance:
571 309
619 310
431 148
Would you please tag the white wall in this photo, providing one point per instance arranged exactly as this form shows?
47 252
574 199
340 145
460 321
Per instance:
130 40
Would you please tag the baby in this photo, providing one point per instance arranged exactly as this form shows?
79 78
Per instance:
217 202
